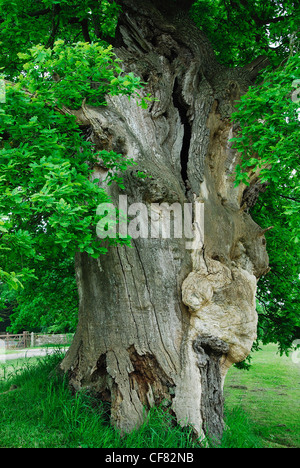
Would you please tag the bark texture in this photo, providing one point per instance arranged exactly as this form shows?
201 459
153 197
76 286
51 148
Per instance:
159 323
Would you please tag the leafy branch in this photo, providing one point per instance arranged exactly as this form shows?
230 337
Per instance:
47 198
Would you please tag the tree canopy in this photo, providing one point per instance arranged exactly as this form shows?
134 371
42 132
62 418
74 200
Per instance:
57 54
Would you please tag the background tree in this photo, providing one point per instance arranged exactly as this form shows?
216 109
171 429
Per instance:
270 130
48 302
156 322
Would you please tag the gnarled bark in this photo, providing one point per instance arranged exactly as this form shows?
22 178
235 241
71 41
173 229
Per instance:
160 323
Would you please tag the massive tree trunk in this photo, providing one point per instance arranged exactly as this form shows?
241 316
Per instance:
159 322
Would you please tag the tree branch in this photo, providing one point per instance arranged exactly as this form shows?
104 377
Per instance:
290 198
33 14
63 111
55 25
257 19
85 30
36 14
257 65
165 5
275 20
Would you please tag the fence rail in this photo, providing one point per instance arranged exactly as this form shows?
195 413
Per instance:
29 340
20 341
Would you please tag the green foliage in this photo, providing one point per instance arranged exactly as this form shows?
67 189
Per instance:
48 202
278 292
68 75
26 23
48 302
241 30
270 130
268 141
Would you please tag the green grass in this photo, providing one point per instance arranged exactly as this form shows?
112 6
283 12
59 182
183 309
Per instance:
25 350
269 393
42 413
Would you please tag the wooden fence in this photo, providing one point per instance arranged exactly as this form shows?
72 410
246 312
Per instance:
27 340
21 341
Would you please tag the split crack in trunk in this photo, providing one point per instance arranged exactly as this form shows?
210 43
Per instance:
182 108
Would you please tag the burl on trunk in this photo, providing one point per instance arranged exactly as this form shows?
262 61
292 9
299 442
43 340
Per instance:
159 323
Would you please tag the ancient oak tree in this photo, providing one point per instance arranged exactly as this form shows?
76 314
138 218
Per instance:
159 323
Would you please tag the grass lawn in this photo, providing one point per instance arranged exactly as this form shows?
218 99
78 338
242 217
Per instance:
4 351
262 410
10 370
269 393
41 412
